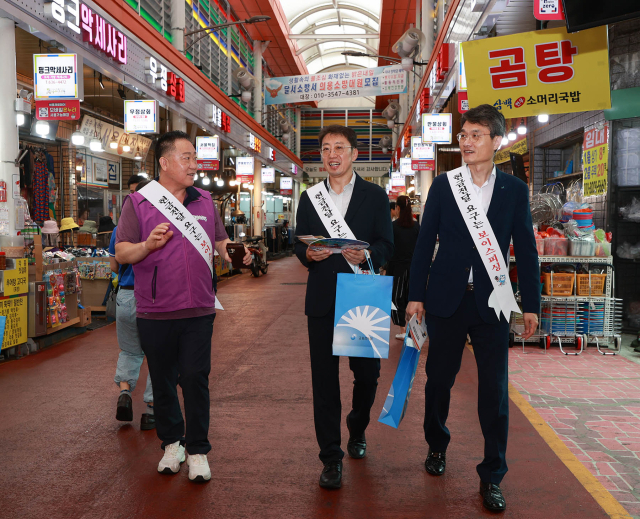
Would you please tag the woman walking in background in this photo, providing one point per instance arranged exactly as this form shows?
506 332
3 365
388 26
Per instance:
405 236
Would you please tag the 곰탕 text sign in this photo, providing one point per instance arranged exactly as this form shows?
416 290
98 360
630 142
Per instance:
540 72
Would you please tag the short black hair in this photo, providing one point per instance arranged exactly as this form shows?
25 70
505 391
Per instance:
337 129
167 142
142 183
488 116
135 179
392 205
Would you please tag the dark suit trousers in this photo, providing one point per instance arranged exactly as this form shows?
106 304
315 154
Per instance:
179 353
327 409
447 338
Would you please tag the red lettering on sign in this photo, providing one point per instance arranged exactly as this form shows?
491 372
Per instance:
511 72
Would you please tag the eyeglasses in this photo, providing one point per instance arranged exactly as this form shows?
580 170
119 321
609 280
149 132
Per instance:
474 136
338 150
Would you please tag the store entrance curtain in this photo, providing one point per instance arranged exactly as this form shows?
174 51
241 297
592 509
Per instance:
362 321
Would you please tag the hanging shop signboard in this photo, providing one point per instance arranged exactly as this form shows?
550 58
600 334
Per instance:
65 109
286 186
595 155
371 169
113 172
159 76
15 328
140 116
548 10
244 169
355 83
405 166
462 78
207 151
95 30
463 102
254 143
436 128
268 175
397 179
108 133
422 155
540 72
55 76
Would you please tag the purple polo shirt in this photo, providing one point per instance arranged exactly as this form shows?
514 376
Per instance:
128 230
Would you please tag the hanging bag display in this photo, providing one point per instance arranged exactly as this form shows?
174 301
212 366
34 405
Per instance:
362 322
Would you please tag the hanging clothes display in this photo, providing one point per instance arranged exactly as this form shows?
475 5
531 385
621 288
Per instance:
40 191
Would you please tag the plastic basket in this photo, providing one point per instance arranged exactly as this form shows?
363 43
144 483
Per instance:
562 284
597 284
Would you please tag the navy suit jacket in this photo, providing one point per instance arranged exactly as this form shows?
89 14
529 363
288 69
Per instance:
368 218
441 284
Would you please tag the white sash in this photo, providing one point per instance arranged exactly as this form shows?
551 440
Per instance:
174 211
501 299
330 216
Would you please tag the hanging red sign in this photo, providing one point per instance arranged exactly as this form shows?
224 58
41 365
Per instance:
423 165
443 64
65 110
208 165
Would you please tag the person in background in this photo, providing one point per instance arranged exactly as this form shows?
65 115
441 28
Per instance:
131 354
395 211
405 236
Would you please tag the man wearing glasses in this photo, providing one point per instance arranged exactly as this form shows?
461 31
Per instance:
456 294
365 209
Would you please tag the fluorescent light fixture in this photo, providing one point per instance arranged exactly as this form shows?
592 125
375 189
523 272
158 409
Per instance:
543 118
504 142
137 155
77 138
522 129
250 187
206 181
220 183
126 148
512 135
78 167
232 183
19 119
95 144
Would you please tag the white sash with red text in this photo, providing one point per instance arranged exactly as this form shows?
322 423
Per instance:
501 299
172 209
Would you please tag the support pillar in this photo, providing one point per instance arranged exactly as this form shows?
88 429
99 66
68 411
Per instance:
8 123
178 24
256 211
298 126
427 27
294 205
258 48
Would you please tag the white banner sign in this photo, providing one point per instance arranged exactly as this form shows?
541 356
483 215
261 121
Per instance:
353 83
244 166
207 147
55 76
405 166
397 179
436 128
421 150
268 175
107 133
286 183
140 116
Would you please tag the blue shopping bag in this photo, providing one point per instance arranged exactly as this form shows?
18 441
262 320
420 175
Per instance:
396 403
362 321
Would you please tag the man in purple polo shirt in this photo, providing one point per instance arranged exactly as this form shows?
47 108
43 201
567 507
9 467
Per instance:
175 296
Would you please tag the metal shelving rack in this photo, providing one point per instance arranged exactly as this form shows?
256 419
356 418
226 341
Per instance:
571 330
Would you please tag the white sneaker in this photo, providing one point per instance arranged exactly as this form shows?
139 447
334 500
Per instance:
401 336
173 456
198 468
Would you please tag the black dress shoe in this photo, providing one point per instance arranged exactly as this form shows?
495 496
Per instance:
357 445
435 463
147 422
124 411
331 476
492 498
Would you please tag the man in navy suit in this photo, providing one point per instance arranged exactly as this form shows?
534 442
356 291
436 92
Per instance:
365 209
452 293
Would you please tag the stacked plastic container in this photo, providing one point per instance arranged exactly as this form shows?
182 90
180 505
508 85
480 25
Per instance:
627 157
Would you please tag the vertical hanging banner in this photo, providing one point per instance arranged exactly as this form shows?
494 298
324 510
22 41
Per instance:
353 83
595 155
286 186
55 76
244 169
540 72
436 128
548 10
422 155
